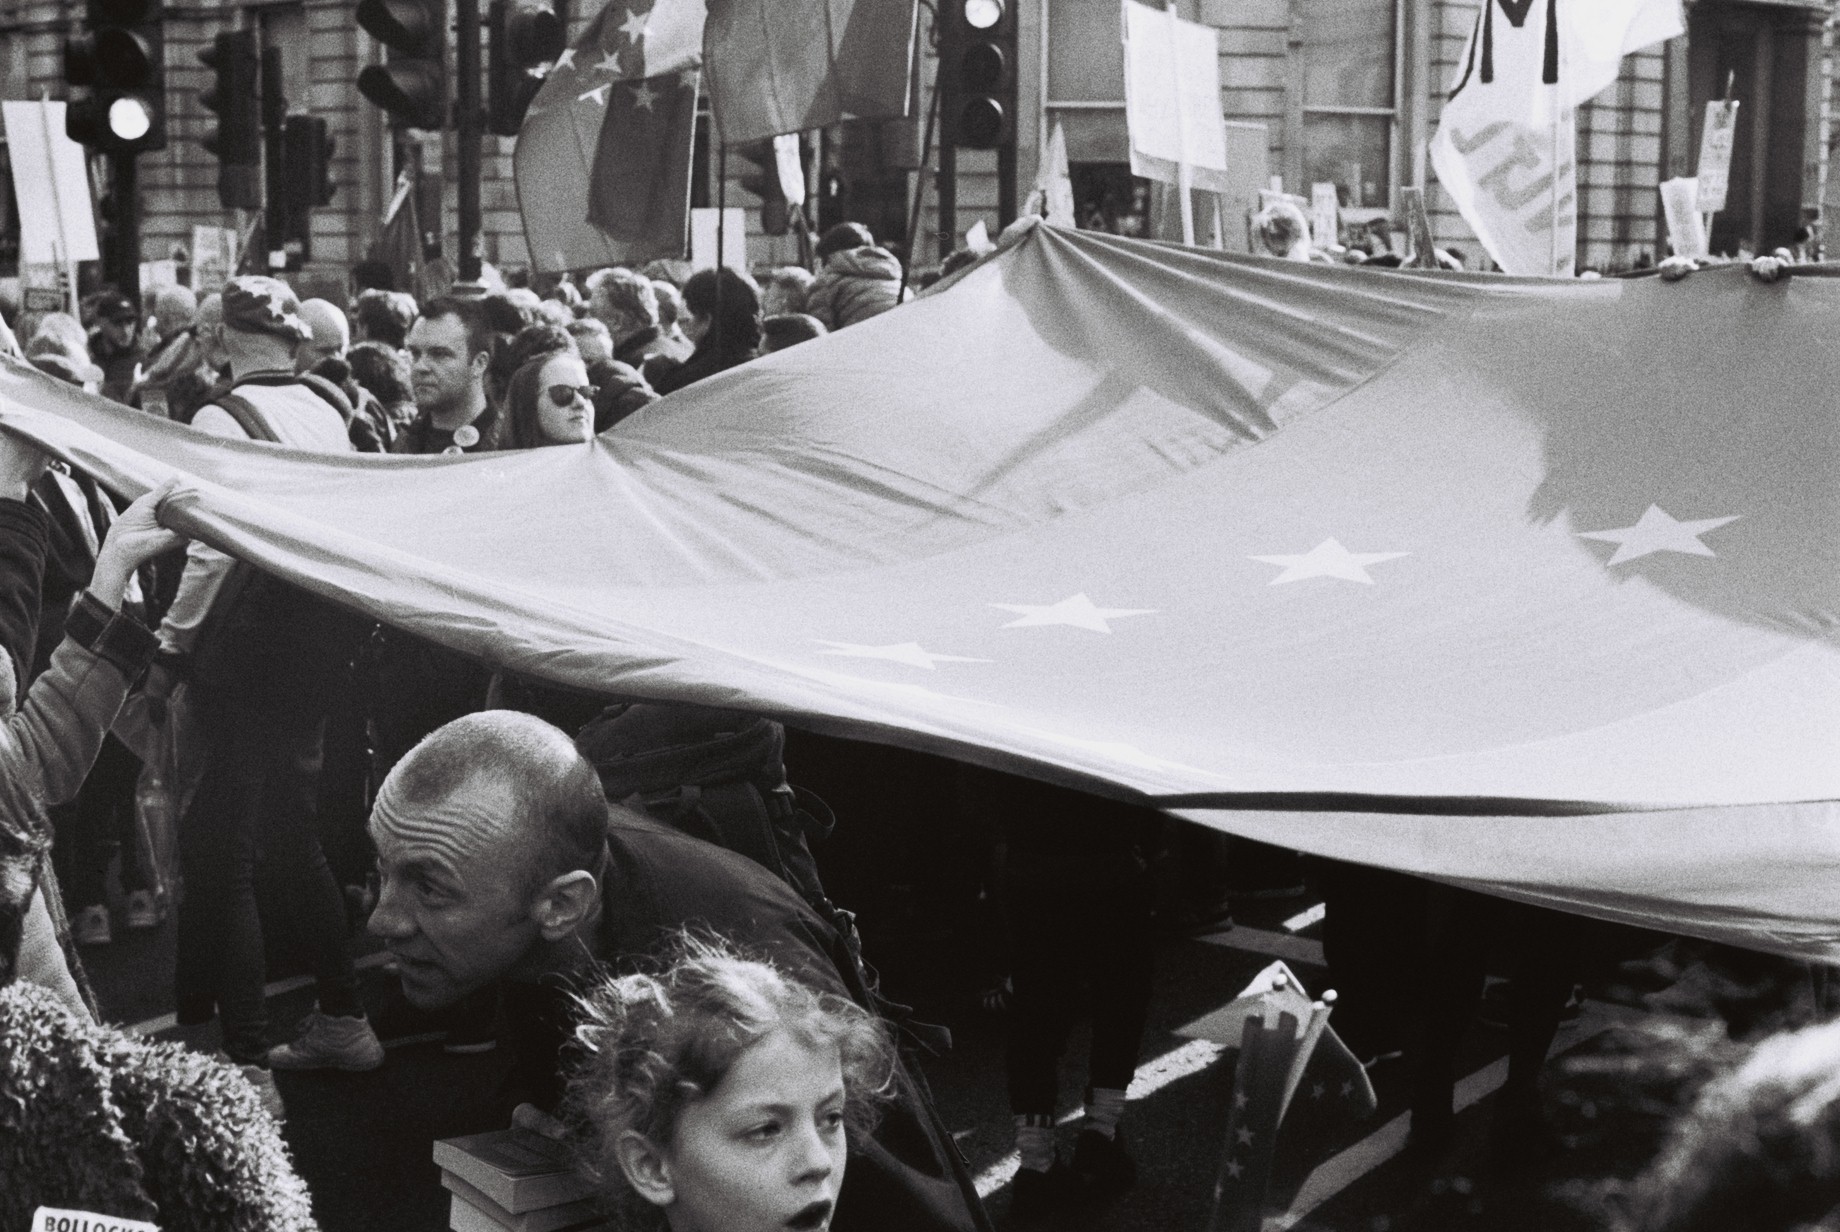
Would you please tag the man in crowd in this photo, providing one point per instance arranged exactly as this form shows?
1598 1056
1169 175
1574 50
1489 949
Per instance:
261 657
330 334
502 862
627 305
450 347
175 314
114 344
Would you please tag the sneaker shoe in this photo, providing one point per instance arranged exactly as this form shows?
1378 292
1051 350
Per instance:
1034 1196
1103 1166
91 927
144 911
326 1042
264 1083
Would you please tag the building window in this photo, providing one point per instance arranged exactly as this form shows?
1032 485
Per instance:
1350 79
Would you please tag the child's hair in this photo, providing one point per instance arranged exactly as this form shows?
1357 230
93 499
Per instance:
655 1044
1760 1148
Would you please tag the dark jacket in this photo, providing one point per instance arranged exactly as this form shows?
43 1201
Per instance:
909 1176
422 437
642 345
708 359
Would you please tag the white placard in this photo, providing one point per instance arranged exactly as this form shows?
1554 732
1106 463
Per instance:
1325 216
213 258
57 221
157 274
703 233
52 1219
1172 98
1715 140
1686 226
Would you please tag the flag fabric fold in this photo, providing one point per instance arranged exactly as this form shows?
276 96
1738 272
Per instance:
1505 146
602 162
778 68
1526 585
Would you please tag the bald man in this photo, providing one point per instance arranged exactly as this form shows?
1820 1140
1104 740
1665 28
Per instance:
331 333
501 861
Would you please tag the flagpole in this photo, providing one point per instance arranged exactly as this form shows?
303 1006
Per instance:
926 159
1558 108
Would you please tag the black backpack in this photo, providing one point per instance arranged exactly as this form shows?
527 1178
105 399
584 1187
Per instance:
718 775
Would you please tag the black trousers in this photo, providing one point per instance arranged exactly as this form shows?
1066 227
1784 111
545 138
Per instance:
100 821
1068 933
261 696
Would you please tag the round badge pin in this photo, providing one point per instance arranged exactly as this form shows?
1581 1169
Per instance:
466 436
453 449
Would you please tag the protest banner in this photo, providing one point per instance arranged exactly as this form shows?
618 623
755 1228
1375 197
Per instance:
1172 104
57 225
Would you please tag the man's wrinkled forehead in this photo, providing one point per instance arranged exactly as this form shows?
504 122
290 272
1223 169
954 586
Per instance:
466 824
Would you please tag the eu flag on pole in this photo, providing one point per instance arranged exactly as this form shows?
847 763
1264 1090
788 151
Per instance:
603 159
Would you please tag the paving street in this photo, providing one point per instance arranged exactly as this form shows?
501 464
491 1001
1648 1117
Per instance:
362 1140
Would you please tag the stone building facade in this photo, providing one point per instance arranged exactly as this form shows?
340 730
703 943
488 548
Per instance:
1346 91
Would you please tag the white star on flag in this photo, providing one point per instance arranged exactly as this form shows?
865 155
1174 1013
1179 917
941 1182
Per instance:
1244 1135
644 96
1658 531
610 63
1077 612
1235 1168
598 94
909 653
1328 559
564 61
634 25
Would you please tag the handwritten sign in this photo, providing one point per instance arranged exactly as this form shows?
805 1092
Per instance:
1715 154
52 1219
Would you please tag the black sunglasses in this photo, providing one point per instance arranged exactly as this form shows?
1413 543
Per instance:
565 395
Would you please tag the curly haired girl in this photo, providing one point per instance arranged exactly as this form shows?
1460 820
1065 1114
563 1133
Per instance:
720 1093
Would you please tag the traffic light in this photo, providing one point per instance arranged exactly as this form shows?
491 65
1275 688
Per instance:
978 68
412 84
306 165
306 153
523 39
760 176
237 139
123 62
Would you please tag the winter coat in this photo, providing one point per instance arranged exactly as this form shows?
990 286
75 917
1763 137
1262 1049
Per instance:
855 284
48 743
95 1119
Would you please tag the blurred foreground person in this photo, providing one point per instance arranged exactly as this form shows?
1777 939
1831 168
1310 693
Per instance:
1760 1149
502 861
721 1094
262 658
49 740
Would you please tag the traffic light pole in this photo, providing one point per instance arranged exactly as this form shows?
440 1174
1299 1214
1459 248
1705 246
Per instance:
127 238
471 123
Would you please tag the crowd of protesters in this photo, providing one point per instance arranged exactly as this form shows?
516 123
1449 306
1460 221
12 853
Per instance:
373 776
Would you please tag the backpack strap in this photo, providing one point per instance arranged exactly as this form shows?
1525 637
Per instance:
247 417
329 393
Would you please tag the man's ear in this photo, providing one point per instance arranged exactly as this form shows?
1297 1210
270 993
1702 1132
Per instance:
645 1168
480 362
565 903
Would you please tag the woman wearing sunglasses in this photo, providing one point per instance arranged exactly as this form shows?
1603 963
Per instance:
549 402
